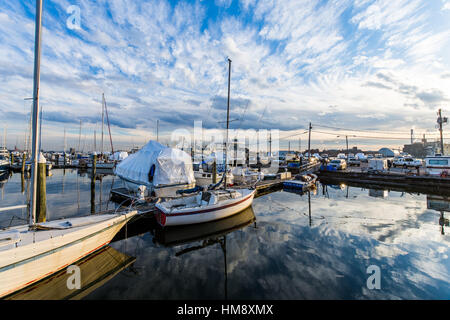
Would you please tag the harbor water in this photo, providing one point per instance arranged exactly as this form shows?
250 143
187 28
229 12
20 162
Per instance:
323 244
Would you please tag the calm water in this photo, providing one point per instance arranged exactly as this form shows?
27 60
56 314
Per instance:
289 246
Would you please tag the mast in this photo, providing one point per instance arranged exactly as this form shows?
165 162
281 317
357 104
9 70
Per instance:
36 83
103 112
79 139
109 127
157 130
228 124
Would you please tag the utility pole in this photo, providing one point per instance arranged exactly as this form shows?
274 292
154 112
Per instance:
309 142
412 136
270 145
441 121
346 141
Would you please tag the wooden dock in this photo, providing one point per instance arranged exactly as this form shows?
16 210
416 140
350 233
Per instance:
400 181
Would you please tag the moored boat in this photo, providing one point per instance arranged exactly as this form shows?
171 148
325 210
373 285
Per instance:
28 256
301 182
157 169
204 207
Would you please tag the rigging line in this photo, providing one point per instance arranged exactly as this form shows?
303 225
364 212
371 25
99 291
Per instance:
243 114
293 135
367 130
366 137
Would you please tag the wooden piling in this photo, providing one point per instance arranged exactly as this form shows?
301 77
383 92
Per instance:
214 172
24 157
22 181
94 169
41 190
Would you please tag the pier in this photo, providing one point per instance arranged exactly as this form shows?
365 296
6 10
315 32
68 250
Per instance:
393 180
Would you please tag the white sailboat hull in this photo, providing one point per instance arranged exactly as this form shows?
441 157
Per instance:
211 213
26 264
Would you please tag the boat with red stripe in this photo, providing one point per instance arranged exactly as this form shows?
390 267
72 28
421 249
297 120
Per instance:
204 207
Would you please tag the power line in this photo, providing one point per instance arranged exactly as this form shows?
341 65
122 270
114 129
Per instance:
365 137
367 130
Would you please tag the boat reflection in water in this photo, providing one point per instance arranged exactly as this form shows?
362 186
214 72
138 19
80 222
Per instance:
378 193
209 234
176 235
95 271
441 204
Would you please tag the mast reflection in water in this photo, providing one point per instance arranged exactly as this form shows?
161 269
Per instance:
316 245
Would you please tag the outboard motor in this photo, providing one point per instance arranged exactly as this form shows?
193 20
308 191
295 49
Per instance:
142 192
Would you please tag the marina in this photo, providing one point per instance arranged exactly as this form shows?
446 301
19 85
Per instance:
219 150
283 238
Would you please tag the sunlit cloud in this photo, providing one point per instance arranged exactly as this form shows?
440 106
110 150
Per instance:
375 60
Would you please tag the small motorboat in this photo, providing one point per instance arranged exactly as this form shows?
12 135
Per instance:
301 182
204 206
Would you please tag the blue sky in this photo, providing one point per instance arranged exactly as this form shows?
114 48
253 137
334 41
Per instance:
364 64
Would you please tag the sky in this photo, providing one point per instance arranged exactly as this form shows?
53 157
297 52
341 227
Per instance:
378 66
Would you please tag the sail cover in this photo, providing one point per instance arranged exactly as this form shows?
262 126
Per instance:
118 156
171 166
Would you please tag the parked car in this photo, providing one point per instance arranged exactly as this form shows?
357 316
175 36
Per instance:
354 162
339 164
438 165
361 157
407 162
341 156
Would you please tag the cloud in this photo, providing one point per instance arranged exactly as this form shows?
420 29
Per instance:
376 85
432 97
168 61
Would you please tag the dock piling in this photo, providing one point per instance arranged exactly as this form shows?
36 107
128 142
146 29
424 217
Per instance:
41 190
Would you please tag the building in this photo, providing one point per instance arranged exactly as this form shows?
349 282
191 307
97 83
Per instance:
425 148
388 153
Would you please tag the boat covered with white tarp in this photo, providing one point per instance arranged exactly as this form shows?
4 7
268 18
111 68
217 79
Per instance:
157 170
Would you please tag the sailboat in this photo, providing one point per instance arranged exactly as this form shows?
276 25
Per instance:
206 205
32 252
102 162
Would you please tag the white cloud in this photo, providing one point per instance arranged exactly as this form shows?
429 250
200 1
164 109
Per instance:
292 58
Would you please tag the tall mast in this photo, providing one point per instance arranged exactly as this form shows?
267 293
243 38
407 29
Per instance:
228 124
79 139
36 83
157 130
109 127
103 112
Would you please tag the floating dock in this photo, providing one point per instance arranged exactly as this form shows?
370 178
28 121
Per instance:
389 180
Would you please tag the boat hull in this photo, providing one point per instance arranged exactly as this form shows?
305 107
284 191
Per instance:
199 216
168 191
52 255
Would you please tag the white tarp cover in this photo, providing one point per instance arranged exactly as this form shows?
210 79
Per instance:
172 166
118 156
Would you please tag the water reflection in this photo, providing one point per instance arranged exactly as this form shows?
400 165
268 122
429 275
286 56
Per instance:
70 193
314 245
95 271
208 234
441 204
